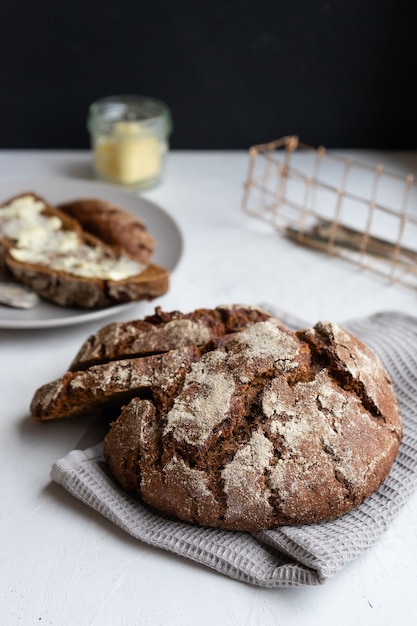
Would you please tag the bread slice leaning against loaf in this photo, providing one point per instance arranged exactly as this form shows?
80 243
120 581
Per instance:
69 287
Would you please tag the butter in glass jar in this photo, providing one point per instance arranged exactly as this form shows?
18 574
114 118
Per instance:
129 139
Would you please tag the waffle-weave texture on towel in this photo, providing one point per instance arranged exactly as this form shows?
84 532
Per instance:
286 556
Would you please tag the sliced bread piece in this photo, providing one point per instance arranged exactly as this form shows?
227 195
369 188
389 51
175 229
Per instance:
48 250
111 384
164 331
113 225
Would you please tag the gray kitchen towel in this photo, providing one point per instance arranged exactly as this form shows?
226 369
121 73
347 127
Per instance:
286 556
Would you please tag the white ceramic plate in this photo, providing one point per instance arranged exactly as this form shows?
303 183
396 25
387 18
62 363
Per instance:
169 243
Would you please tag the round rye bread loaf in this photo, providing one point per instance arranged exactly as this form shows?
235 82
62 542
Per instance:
226 418
267 428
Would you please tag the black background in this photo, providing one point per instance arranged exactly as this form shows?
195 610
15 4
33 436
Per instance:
336 73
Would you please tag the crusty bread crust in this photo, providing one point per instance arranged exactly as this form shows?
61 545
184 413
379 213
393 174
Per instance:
102 387
66 289
112 225
162 332
254 428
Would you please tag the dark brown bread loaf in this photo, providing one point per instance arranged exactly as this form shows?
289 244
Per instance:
269 429
255 428
85 290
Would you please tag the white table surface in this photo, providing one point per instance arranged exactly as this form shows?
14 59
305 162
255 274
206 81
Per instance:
60 562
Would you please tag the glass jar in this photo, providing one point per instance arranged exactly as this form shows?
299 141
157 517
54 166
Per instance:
129 139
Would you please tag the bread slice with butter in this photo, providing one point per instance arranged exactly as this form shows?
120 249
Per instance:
64 262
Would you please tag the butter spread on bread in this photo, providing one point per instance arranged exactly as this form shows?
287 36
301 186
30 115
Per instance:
65 262
41 239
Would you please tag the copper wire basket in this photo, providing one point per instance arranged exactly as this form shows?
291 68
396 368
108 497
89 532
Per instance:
343 207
